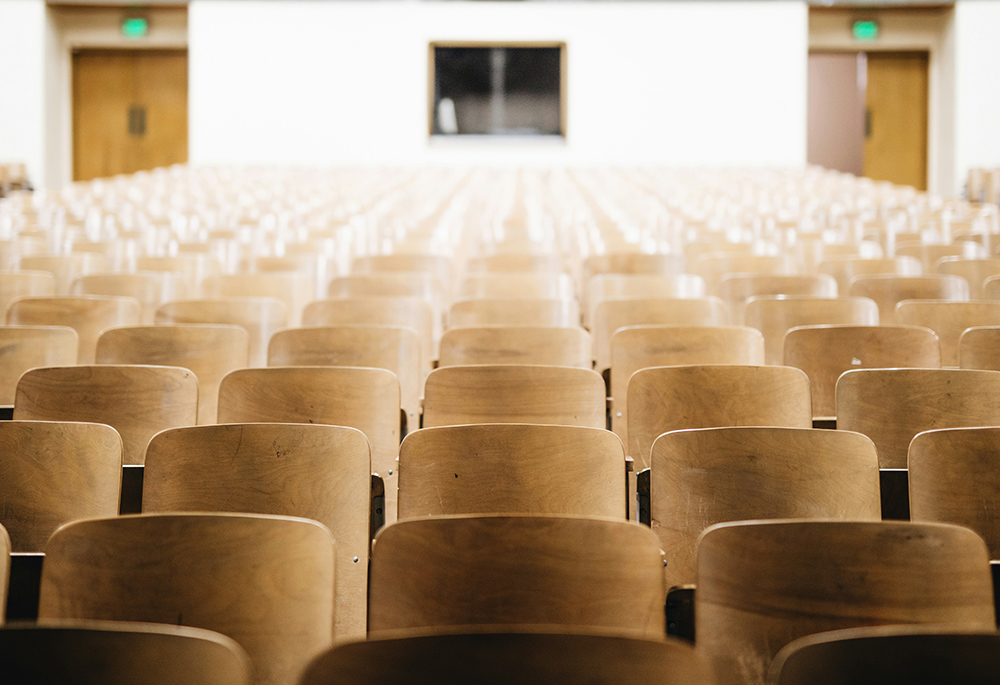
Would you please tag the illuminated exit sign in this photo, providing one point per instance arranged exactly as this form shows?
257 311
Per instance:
135 27
865 30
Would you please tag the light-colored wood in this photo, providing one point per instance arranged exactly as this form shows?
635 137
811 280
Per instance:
640 347
524 263
440 266
991 288
88 315
509 656
545 345
889 654
892 405
896 102
210 351
929 255
534 312
632 263
949 320
5 551
974 271
667 398
460 571
101 652
614 314
775 316
294 290
888 291
736 289
846 269
137 401
516 286
426 286
713 267
15 284
64 268
979 348
394 348
605 287
150 289
11 251
694 251
315 472
558 395
762 584
54 473
511 469
194 268
712 475
825 352
265 581
25 347
260 317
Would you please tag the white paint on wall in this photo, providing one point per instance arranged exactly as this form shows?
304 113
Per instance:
977 87
22 85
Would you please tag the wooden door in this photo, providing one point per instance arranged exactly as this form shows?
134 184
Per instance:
129 111
896 118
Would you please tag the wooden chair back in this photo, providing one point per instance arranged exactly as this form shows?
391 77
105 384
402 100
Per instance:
713 267
929 255
736 289
150 289
315 472
434 573
524 263
137 401
991 288
544 345
88 315
438 265
265 581
64 267
534 312
604 287
888 291
516 286
979 348
845 269
193 268
293 289
27 347
632 263
15 284
974 271
12 250
891 406
426 286
949 320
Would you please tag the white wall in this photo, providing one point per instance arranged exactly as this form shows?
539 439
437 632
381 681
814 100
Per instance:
977 85
22 85
331 82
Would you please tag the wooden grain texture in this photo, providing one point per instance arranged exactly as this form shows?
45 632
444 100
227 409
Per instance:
511 469
544 345
929 255
502 393
611 315
889 654
888 291
667 398
293 289
896 102
426 286
5 551
991 288
88 315
150 289
194 268
497 570
265 581
713 267
974 271
208 351
516 286
26 347
439 266
260 317
631 263
533 312
506 656
315 472
639 347
846 269
64 268
979 348
736 289
762 584
949 320
15 284
892 405
100 652
825 352
775 316
603 287
138 401
712 475
524 263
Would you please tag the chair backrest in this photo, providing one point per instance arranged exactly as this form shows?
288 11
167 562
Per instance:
260 317
100 652
315 472
15 284
888 291
713 267
761 584
194 268
426 286
265 581
293 289
88 315
545 345
632 263
949 320
495 312
846 269
891 406
525 263
26 347
516 286
437 265
508 656
511 469
712 475
974 271
136 400
929 254
65 267
603 287
736 289
209 351
574 572
668 398
509 393
150 289
979 348
825 352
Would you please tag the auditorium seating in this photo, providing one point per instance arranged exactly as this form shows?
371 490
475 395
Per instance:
27 347
539 345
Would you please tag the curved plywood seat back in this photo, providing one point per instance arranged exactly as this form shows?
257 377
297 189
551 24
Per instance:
426 286
519 262
713 267
974 271
88 315
774 316
888 291
929 255
543 345
149 289
193 268
27 347
949 320
603 287
979 348
293 289
736 289
64 267
438 265
516 286
15 284
632 263
845 269
496 312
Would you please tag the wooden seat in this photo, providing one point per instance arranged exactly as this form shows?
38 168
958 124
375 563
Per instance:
438 265
426 286
762 584
667 398
929 255
506 656
194 268
545 345
949 320
25 347
15 284
260 317
516 286
534 312
974 271
101 652
137 401
514 394
846 269
574 572
511 469
736 289
662 264
888 291
639 347
892 405
825 352
604 287
150 289
65 268
774 316
979 348
293 289
713 267
524 263
394 348
209 351
88 315
56 472
991 288
12 250
265 581
315 472
712 475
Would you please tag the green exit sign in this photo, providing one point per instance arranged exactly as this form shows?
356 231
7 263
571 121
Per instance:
865 30
135 27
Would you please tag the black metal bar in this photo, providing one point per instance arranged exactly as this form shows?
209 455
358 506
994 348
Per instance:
25 583
132 477
680 612
7 412
642 496
995 569
376 517
826 424
895 488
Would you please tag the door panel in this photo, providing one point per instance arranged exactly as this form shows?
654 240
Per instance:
896 101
